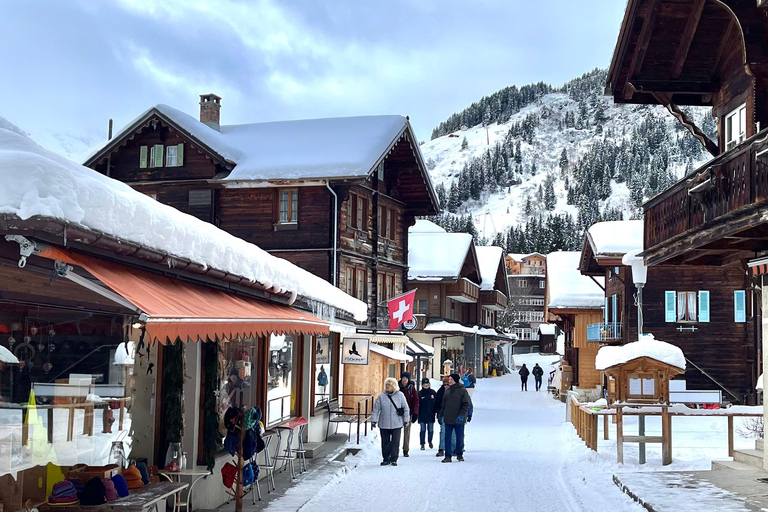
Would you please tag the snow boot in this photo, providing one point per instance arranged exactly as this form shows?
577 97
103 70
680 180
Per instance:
385 463
393 463
430 446
422 447
446 460
440 453
460 458
405 454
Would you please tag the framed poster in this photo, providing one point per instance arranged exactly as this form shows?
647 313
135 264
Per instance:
355 351
323 350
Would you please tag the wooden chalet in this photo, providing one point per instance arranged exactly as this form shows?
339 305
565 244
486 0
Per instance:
527 276
694 308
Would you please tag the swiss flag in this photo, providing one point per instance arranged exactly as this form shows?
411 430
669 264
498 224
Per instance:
400 309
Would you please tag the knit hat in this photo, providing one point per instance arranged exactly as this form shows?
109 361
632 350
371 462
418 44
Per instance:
93 492
109 490
455 377
406 375
132 477
63 492
228 473
120 486
142 467
425 380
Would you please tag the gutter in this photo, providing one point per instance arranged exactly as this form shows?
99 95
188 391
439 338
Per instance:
335 229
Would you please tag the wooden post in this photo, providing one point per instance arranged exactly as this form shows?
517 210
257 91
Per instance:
593 439
122 415
619 436
606 435
641 432
730 436
50 424
71 423
666 437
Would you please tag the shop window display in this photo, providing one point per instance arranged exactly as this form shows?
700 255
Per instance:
322 369
281 378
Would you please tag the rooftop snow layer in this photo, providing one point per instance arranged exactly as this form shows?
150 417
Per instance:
548 329
389 353
567 287
307 148
488 259
647 346
616 237
38 182
443 326
425 226
435 255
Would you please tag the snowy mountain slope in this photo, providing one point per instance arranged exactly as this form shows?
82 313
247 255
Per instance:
73 147
496 211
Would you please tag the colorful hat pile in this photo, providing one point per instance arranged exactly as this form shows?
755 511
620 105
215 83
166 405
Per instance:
132 477
120 485
63 493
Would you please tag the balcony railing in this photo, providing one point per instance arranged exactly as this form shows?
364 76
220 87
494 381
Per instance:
494 299
605 332
463 290
734 180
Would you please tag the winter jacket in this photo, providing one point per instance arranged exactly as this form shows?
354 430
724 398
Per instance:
385 414
439 402
472 380
427 403
411 394
538 371
455 404
524 373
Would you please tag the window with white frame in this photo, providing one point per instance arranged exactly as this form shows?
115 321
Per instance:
174 155
542 284
735 127
686 306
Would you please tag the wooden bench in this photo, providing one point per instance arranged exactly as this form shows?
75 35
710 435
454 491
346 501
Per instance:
146 498
339 414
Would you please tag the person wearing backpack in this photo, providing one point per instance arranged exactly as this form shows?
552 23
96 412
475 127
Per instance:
538 373
469 380
390 414
412 397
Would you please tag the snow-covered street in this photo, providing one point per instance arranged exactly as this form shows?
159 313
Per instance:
519 457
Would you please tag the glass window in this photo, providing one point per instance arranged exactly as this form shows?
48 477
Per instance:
171 159
323 367
421 307
281 378
289 206
360 214
686 306
236 363
360 290
351 281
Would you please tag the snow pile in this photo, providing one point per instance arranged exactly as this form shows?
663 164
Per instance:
389 353
434 254
647 346
616 237
547 329
443 326
334 147
488 259
759 385
567 287
39 183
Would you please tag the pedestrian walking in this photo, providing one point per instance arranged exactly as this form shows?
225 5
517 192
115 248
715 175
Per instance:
427 400
391 414
524 373
438 406
412 397
455 409
469 380
538 373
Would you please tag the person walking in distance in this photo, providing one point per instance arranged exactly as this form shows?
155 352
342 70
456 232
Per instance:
391 414
469 380
412 397
455 408
427 399
538 373
524 373
438 406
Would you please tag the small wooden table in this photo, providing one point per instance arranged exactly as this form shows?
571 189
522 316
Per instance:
175 476
146 498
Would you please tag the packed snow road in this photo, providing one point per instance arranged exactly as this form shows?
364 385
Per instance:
519 457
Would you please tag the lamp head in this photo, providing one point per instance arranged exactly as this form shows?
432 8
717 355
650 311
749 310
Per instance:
639 270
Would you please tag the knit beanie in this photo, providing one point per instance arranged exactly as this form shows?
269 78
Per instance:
425 380
142 467
120 485
133 478
109 490
63 492
455 377
93 492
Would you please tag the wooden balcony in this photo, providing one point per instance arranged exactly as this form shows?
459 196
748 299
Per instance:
463 290
494 300
713 212
610 332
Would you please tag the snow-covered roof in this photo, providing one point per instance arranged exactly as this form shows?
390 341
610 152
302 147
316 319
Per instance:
39 183
616 237
434 254
567 287
443 326
389 353
646 346
548 329
488 259
308 148
521 257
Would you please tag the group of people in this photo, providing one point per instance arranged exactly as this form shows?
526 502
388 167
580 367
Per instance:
401 405
538 373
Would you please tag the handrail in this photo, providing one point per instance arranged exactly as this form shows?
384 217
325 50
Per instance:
721 386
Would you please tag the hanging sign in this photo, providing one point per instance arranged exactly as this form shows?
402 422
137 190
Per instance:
323 350
355 351
411 323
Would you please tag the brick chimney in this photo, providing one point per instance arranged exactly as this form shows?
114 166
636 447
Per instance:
210 110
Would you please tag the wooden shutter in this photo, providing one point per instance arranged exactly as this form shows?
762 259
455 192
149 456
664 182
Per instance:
605 310
614 308
392 225
353 202
739 306
703 306
364 225
158 155
180 155
143 157
670 306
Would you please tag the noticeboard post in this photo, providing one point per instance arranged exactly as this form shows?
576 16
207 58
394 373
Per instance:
355 351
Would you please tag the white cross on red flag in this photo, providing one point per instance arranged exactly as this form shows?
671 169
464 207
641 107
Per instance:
400 309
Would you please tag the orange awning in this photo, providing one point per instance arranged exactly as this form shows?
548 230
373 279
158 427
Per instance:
178 309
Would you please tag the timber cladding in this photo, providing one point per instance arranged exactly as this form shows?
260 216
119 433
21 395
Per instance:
360 379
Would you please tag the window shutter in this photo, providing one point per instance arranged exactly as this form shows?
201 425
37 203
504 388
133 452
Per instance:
703 306
158 155
143 157
614 305
739 306
670 306
180 155
605 311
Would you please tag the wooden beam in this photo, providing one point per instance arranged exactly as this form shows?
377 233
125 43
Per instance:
687 39
722 47
673 109
674 87
643 41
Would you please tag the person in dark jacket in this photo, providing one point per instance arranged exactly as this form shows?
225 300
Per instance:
427 399
455 410
538 372
524 373
438 405
412 397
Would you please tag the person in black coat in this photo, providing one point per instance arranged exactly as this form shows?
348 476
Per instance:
538 373
427 412
524 373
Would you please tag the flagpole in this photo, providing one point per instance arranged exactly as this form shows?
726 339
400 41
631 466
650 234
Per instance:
398 297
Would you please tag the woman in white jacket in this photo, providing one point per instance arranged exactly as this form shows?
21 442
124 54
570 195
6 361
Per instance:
391 414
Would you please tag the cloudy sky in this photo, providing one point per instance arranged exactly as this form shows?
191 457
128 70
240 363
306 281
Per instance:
69 65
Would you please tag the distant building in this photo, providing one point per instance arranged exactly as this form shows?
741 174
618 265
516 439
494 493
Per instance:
526 274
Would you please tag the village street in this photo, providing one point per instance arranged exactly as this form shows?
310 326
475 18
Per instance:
519 457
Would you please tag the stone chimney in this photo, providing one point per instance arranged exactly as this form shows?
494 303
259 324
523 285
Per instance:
210 110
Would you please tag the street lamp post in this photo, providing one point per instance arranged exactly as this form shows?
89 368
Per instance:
639 277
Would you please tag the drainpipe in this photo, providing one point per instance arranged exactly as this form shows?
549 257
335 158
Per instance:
335 227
